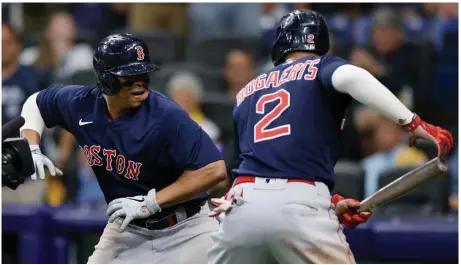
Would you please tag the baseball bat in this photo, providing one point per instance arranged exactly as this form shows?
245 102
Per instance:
404 184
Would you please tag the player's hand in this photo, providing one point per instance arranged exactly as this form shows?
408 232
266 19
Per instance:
40 162
132 208
346 210
224 204
422 130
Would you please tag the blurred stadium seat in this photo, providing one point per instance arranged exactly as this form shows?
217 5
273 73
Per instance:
88 37
219 108
213 51
428 199
212 78
84 78
32 38
349 177
427 147
163 45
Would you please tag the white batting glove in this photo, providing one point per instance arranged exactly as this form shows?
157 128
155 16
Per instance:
40 161
233 198
132 208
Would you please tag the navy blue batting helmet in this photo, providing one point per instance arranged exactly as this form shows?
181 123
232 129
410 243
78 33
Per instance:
120 55
300 30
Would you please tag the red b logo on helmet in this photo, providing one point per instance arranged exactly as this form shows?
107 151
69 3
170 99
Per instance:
140 52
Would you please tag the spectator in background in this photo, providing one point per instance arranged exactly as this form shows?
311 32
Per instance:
160 16
392 61
444 91
391 151
89 195
415 23
59 55
239 69
18 81
186 89
271 13
223 19
58 51
100 19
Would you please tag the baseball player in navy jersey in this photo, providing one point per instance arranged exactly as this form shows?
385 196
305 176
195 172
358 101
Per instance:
150 159
287 128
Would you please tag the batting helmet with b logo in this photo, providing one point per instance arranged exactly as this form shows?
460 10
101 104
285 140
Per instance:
120 55
300 30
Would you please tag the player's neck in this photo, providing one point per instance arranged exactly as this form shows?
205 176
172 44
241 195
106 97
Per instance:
113 108
296 55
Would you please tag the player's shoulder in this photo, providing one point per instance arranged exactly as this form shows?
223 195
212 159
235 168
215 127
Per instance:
164 107
332 59
320 60
72 92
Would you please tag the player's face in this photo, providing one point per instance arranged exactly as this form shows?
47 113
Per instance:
10 46
185 99
386 38
388 135
134 90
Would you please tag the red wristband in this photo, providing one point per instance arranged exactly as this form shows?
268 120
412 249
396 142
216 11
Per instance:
415 122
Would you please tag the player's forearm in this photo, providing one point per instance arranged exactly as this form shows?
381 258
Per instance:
66 145
33 138
191 184
220 189
34 124
366 89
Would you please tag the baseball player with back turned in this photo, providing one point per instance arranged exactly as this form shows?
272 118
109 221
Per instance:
287 123
150 159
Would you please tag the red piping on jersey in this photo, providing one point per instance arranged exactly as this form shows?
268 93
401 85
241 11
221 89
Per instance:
251 179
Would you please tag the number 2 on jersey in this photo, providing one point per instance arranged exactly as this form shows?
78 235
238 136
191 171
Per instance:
261 133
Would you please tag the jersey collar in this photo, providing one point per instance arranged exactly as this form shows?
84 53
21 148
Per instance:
100 113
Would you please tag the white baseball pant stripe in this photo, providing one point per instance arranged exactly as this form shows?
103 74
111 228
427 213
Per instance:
281 222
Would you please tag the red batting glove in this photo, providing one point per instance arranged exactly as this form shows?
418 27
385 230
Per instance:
346 210
233 198
422 130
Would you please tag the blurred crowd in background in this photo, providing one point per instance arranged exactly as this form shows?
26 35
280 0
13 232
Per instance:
209 51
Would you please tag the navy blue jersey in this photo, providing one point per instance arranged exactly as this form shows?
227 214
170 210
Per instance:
288 120
149 147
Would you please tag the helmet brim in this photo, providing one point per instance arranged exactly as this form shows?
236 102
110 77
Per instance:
136 68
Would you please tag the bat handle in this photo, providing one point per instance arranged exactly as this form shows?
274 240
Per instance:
365 208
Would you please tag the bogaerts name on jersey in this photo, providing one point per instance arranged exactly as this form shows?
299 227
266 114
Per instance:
275 79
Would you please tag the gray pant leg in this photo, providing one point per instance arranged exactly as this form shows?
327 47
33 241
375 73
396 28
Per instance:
189 241
126 247
186 242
